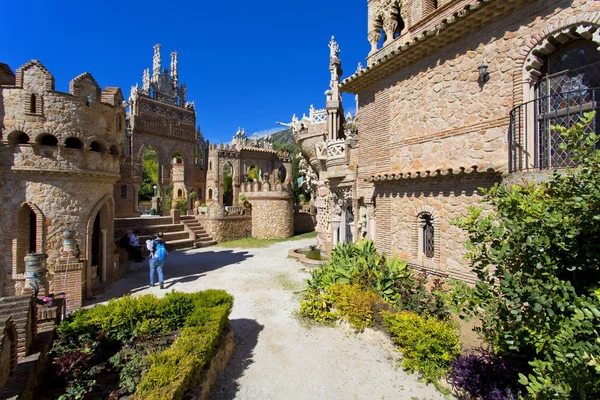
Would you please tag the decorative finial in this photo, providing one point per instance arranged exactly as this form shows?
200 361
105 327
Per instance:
360 67
156 63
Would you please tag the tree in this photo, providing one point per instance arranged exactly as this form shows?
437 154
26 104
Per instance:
149 174
536 253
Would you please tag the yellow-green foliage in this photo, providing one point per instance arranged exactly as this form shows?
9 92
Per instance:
429 345
318 307
355 304
176 369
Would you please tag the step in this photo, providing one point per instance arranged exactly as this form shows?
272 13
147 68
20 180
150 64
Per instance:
147 230
180 244
203 236
187 217
205 243
141 221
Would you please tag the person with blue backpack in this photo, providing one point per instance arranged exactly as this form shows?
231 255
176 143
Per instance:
157 260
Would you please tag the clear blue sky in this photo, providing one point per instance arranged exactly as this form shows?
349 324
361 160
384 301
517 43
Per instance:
246 63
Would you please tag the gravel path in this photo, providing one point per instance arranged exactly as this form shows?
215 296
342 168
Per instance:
277 355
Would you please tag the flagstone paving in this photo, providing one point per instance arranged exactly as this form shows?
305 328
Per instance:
279 356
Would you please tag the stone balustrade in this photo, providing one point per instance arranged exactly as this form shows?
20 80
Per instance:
234 210
336 152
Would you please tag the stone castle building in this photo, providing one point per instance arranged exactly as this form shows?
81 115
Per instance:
59 161
160 118
71 167
456 95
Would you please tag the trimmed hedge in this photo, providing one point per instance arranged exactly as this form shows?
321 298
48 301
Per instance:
201 318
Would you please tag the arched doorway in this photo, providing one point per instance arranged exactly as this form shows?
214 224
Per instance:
150 189
27 236
98 229
254 174
569 85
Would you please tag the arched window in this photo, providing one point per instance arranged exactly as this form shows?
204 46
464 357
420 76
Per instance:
18 138
114 150
210 194
32 104
568 86
179 193
49 140
96 146
281 174
426 236
73 143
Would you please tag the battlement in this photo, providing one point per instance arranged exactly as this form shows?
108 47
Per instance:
85 118
266 189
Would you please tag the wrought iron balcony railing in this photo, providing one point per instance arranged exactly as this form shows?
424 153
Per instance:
534 144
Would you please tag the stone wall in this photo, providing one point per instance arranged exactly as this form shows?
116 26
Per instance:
426 112
272 216
8 350
224 229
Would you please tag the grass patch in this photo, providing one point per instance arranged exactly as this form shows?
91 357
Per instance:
287 283
254 243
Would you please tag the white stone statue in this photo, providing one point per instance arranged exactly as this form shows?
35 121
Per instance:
133 95
334 48
359 68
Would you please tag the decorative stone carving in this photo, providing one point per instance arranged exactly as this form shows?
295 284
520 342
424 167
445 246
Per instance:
334 49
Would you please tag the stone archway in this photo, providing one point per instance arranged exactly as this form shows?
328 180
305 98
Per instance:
98 250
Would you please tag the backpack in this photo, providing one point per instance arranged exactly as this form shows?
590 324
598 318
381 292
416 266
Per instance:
150 245
161 251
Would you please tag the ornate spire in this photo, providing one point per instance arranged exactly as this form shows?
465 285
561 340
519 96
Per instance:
174 68
146 81
156 64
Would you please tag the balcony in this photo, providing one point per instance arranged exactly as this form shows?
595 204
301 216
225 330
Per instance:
533 143
336 152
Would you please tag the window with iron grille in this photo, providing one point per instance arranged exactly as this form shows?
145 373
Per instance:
428 236
123 192
567 88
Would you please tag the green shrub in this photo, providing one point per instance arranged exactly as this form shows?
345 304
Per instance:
317 306
429 345
126 330
355 304
176 369
536 252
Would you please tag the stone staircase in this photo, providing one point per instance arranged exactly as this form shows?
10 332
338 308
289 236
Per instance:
201 237
175 235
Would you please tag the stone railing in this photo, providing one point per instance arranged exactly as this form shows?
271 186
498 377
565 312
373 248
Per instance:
336 149
202 210
317 116
234 210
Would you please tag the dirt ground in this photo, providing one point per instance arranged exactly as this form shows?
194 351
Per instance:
278 355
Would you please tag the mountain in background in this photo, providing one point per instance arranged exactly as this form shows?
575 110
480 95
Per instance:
282 138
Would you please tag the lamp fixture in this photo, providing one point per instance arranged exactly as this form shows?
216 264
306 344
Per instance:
484 76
